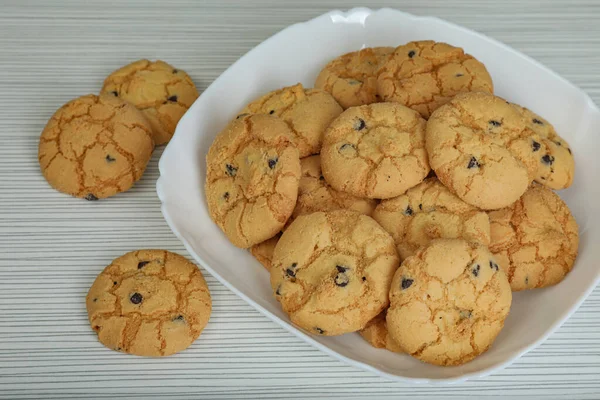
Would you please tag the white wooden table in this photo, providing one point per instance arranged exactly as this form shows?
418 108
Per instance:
53 246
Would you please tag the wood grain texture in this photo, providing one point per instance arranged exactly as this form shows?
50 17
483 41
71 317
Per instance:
53 246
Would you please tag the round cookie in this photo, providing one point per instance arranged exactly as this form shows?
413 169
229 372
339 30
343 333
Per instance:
448 302
252 178
332 270
481 149
263 251
376 333
375 151
425 75
149 303
352 77
430 211
308 112
556 165
95 147
535 240
162 92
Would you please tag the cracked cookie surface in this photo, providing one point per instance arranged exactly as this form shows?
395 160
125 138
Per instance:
556 164
377 334
253 170
481 148
425 75
375 151
535 240
162 92
352 77
149 303
308 112
448 302
331 271
430 211
95 147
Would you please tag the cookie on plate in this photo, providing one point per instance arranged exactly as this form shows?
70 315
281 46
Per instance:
481 148
426 74
252 176
377 334
162 92
332 270
448 302
95 147
430 211
308 112
556 165
352 77
375 151
263 251
149 303
535 240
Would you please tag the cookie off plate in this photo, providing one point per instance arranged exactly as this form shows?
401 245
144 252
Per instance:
297 54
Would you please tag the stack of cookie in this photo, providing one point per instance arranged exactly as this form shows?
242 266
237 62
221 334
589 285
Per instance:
399 198
96 146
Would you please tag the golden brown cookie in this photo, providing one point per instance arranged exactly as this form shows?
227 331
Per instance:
95 147
375 151
263 251
377 334
448 302
331 271
556 165
425 75
308 112
161 91
535 240
352 77
252 178
482 149
430 211
149 303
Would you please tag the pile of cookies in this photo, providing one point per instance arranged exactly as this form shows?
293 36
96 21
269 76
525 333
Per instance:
398 198
147 302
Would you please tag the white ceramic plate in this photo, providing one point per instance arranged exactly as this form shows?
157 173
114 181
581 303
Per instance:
296 54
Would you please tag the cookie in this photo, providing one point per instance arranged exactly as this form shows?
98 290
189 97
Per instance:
308 112
263 251
253 170
375 151
535 240
430 211
352 77
332 270
95 147
377 334
556 165
425 75
448 302
149 303
162 92
481 149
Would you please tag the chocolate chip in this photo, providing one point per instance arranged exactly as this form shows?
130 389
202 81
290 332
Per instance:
411 53
341 280
230 170
321 178
473 163
569 150
493 265
118 349
142 263
341 268
535 145
115 283
277 292
526 280
548 159
364 278
136 298
178 318
241 115
459 75
115 93
406 282
90 197
290 271
172 98
272 112
537 121
109 158
476 269
96 327
226 196
95 300
408 211
420 206
360 125
347 146
319 330
495 123
175 71
273 162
